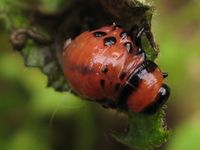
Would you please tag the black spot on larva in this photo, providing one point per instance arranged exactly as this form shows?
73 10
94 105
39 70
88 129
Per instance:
129 47
117 85
110 41
150 66
123 34
104 69
135 81
99 33
122 75
123 97
102 83
128 89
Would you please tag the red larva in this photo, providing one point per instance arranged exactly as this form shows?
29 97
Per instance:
105 65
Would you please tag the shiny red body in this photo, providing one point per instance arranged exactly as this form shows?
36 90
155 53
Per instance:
99 64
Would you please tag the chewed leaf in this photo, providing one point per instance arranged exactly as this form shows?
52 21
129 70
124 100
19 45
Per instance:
36 56
144 131
33 42
53 25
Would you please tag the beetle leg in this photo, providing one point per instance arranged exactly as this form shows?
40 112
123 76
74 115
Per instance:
165 74
145 29
150 38
139 36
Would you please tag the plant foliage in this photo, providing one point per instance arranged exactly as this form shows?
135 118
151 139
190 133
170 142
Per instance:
57 20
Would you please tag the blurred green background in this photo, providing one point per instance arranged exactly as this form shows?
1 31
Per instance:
33 117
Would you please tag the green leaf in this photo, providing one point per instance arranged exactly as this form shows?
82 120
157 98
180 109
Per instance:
53 6
11 14
144 131
187 135
151 52
16 16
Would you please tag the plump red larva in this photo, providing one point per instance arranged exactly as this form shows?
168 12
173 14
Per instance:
105 65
